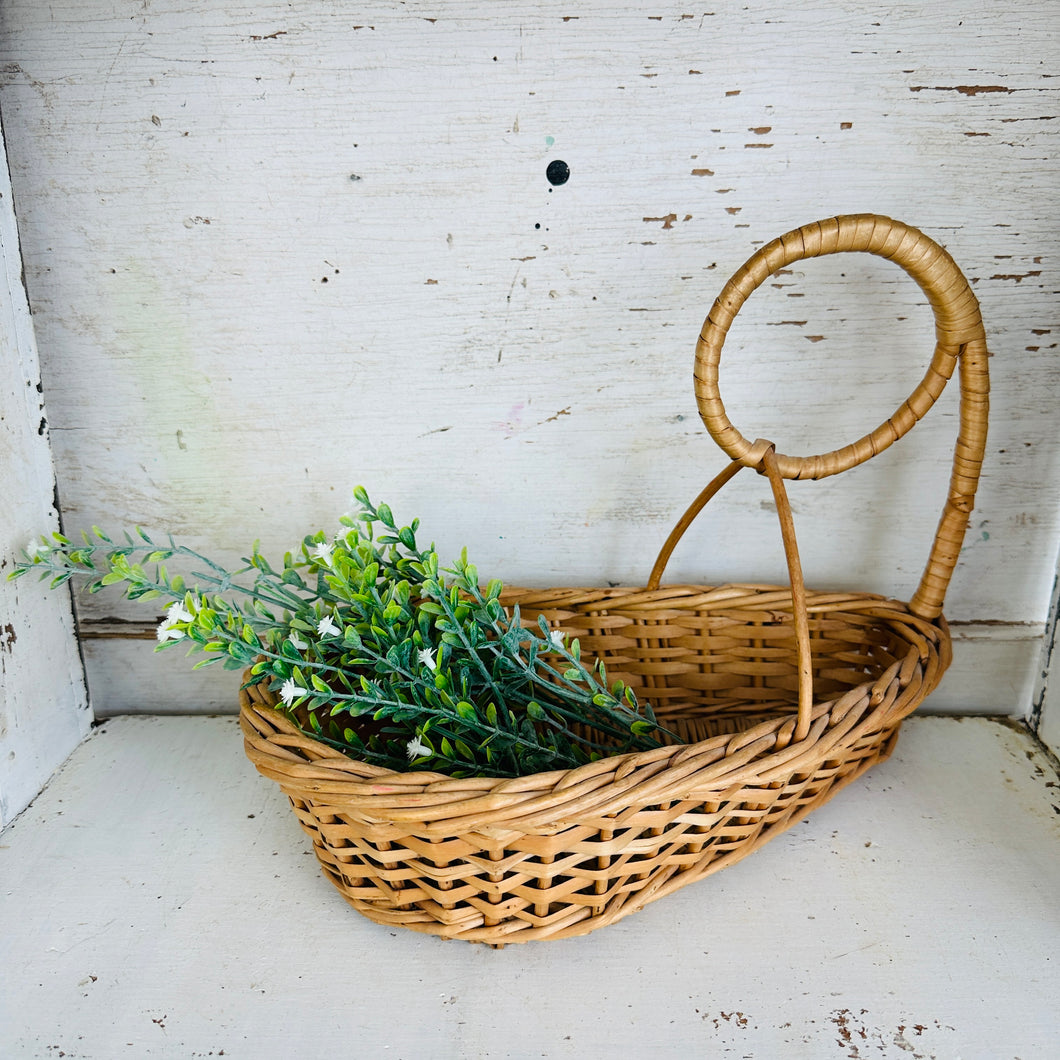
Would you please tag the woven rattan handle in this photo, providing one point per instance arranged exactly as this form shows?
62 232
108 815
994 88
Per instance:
763 455
959 338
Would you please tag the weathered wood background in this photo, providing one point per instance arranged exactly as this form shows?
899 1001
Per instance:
44 708
277 249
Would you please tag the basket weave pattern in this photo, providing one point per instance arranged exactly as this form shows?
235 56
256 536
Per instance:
782 695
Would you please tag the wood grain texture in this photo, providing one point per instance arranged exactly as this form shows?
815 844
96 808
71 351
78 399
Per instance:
272 254
43 700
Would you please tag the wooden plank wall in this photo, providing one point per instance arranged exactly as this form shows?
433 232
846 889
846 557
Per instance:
277 249
44 710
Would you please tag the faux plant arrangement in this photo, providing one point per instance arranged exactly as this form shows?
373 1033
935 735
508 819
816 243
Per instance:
376 650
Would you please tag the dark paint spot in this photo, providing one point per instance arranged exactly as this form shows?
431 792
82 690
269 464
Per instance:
558 172
965 90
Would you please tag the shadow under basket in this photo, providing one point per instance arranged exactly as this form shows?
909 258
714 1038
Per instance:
782 695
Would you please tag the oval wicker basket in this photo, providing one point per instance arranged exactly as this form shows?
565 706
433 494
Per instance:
783 695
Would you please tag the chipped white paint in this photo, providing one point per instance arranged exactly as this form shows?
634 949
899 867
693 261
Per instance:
274 251
43 706
1045 710
159 900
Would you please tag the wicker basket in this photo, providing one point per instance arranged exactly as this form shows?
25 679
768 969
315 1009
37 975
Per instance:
783 695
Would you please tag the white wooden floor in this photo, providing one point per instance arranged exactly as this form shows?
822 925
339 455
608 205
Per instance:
159 900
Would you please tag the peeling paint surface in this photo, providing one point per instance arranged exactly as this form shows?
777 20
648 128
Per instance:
911 918
272 254
43 703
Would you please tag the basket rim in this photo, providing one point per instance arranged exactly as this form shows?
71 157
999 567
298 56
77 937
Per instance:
765 751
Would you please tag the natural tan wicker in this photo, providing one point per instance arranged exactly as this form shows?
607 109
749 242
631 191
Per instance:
784 695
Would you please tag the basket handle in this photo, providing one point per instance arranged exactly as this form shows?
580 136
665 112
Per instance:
763 455
959 338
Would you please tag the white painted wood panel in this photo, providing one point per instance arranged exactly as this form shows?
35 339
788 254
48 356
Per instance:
274 251
43 702
1045 706
159 900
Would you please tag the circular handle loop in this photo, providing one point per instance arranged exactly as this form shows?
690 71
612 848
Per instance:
959 338
957 322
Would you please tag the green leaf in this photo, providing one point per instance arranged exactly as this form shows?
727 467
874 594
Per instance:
467 711
535 710
112 578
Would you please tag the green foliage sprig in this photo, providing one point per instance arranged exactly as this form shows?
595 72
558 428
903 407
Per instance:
373 648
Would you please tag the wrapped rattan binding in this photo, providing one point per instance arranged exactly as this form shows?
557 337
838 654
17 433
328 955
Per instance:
783 694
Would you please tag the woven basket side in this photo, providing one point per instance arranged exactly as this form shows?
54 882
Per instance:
559 854
498 882
909 660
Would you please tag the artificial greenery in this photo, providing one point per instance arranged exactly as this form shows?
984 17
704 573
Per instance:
374 649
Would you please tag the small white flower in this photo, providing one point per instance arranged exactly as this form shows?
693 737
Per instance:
37 548
416 748
326 627
167 631
427 658
556 636
299 644
322 551
289 692
177 612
